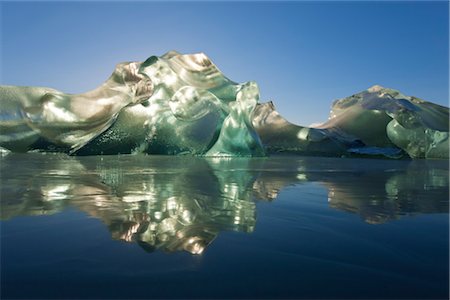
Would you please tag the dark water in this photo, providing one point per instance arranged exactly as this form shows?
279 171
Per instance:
183 227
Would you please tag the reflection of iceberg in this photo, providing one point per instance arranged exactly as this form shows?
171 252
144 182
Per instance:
377 190
183 203
168 205
380 191
177 104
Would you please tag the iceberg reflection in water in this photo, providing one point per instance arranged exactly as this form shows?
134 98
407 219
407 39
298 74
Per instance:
183 203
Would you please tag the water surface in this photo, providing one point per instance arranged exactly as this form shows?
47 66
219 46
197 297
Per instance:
184 227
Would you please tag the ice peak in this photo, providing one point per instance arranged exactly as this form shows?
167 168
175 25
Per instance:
375 88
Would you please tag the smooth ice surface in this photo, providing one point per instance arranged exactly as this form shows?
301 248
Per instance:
140 226
382 117
183 104
71 121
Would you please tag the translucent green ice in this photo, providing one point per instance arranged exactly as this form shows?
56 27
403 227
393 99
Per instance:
383 118
183 104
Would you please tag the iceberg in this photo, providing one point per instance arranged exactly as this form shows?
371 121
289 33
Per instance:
183 104
385 118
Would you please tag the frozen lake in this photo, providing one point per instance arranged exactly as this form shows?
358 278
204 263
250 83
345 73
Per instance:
187 227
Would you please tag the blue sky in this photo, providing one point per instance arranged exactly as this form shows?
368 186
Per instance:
303 55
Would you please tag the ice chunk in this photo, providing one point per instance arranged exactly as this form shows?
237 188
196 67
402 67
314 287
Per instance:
179 104
237 136
279 135
385 118
71 121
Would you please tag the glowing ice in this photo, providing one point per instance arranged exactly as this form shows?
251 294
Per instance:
37 117
176 104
